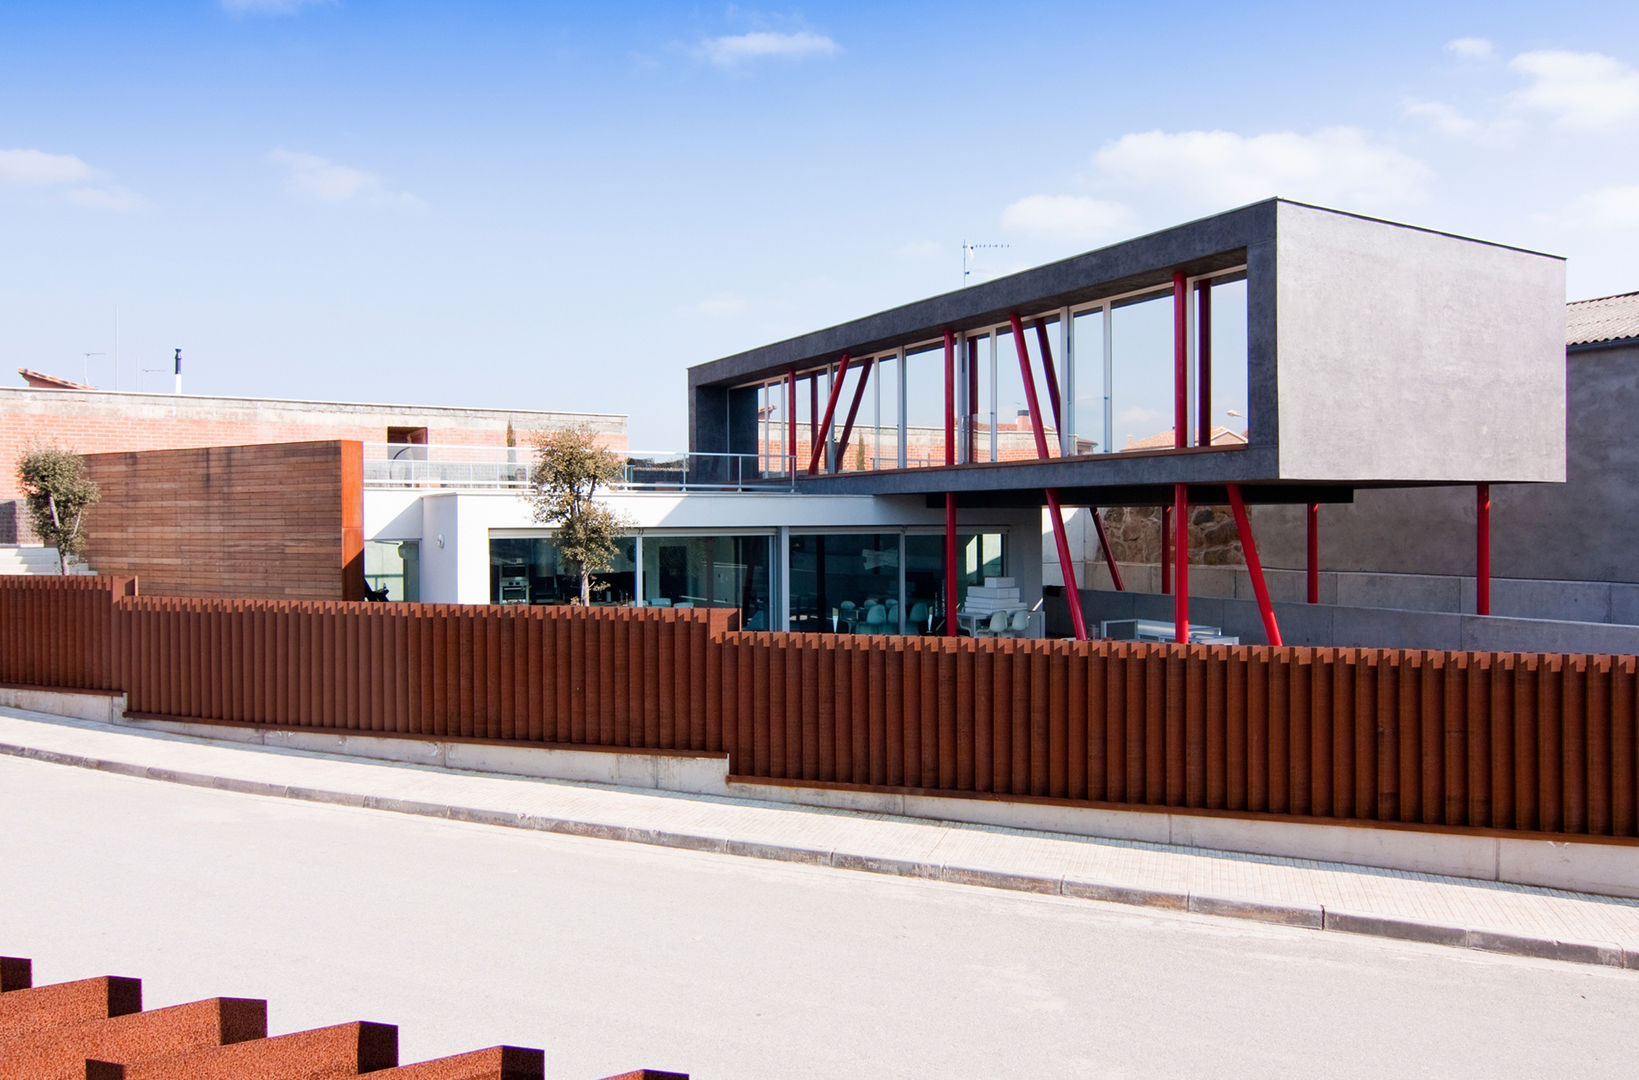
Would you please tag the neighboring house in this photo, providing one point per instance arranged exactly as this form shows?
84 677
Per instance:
56 412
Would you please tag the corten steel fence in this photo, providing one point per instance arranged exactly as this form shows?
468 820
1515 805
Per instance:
1518 742
608 677
59 631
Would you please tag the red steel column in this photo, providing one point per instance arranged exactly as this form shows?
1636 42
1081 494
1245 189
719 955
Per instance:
950 496
1180 363
1203 355
1482 549
950 564
1061 539
1313 516
813 408
972 397
830 411
1254 565
1180 555
791 410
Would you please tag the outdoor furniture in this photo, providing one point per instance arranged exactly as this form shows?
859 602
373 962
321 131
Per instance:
1019 625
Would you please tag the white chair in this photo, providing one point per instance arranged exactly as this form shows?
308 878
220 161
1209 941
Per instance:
1019 625
684 604
919 617
876 621
996 627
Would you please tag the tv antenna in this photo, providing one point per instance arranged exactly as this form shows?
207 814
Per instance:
967 251
88 357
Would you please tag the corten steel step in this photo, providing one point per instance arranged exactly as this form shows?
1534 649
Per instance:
25 1011
63 1051
95 1029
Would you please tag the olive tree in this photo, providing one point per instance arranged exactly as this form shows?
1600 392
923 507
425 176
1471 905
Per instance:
569 468
57 492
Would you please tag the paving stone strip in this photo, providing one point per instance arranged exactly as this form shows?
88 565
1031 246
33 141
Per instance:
1492 916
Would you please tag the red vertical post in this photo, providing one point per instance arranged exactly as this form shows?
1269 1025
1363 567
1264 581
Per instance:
791 410
1482 549
950 564
1313 518
1203 362
1166 549
830 412
950 496
1180 363
972 397
1254 565
950 398
1180 555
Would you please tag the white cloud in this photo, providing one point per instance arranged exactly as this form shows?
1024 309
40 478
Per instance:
37 168
74 179
1469 48
1137 414
269 7
718 305
731 51
1338 165
1446 119
1608 207
109 197
318 178
1580 90
1069 216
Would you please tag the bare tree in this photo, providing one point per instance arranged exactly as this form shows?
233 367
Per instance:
57 493
569 468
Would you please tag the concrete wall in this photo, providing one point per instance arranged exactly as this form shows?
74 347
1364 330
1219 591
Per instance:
282 521
1584 530
1328 625
1412 355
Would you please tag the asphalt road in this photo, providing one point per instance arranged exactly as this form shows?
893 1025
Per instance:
613 956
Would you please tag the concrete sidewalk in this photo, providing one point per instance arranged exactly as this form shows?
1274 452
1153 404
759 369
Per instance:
1505 918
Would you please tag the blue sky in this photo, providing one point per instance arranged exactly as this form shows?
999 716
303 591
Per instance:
564 205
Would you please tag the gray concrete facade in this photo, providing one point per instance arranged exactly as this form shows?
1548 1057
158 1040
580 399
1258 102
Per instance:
1377 354
1558 537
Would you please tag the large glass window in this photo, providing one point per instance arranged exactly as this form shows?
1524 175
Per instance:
845 583
849 583
392 568
978 556
528 570
709 571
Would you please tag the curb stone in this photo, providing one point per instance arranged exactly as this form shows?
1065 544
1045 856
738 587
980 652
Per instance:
1314 917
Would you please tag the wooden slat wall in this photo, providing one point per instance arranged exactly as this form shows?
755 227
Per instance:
1541 743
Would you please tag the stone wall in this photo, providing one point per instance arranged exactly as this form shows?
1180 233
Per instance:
1135 535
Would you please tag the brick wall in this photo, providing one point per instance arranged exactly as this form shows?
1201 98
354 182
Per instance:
282 520
97 421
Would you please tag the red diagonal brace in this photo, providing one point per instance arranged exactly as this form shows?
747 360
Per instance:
1061 539
1104 546
1050 373
830 411
1254 565
853 411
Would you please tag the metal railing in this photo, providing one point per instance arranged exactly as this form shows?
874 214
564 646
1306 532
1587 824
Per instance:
389 465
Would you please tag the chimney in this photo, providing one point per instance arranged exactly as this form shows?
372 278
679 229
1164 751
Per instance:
178 388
